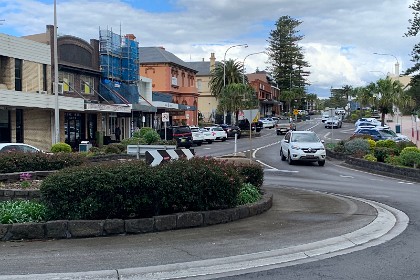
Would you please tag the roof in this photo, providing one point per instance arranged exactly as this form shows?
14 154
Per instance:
160 55
203 67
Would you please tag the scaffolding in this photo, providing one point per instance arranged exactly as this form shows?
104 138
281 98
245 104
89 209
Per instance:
119 62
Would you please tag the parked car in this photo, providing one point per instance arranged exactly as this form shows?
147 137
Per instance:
367 120
218 132
369 124
197 135
267 122
182 135
302 146
375 134
255 126
231 130
18 147
208 136
333 122
283 126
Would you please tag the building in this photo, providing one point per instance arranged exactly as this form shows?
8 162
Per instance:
207 103
173 85
27 101
267 93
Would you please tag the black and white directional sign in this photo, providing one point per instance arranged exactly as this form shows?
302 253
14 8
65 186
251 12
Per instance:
156 157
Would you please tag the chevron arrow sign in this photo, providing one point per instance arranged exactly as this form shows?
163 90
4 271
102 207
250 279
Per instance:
156 157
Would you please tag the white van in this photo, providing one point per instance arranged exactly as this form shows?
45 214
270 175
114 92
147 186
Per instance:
325 116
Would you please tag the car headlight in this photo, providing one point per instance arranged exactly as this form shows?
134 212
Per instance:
295 147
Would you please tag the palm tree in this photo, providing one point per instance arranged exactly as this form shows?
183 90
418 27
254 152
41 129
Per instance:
236 97
289 95
364 95
232 74
311 98
387 93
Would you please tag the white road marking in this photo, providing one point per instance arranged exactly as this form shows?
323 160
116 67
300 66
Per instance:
346 176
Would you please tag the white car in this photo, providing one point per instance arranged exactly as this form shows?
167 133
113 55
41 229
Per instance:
217 132
367 120
325 117
197 135
333 122
302 146
268 123
18 147
208 136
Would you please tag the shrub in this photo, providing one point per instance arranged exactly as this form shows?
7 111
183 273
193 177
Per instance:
133 141
252 174
393 160
370 157
151 136
402 144
21 211
144 130
381 153
111 149
248 194
20 162
386 144
410 157
372 143
357 147
134 189
61 147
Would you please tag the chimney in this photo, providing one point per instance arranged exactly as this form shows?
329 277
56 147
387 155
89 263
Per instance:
397 69
212 61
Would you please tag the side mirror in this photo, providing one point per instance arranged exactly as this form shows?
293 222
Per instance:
286 141
322 141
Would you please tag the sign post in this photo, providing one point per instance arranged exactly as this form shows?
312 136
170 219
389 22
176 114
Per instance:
165 119
252 115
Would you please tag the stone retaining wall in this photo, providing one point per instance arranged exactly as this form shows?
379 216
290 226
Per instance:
94 228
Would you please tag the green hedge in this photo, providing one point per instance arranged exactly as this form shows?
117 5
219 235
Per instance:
19 162
134 189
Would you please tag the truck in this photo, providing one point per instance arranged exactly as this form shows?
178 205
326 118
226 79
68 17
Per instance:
283 126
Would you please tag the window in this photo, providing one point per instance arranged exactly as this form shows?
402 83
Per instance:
87 84
68 81
44 77
199 85
18 74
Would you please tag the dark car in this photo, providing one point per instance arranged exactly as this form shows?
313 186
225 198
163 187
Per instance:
374 133
255 126
182 135
231 130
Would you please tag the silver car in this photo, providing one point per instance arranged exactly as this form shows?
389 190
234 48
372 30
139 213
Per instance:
302 146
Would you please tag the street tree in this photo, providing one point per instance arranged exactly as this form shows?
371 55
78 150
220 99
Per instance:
237 97
288 65
413 31
231 74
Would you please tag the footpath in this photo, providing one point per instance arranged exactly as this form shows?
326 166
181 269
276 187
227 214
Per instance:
301 226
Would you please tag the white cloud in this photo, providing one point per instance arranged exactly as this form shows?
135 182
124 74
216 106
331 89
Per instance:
340 36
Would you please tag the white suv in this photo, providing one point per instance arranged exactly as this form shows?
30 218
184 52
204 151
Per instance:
302 146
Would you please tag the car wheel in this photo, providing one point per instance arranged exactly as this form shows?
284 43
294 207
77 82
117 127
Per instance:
239 136
209 141
289 159
278 133
199 143
224 139
321 162
282 157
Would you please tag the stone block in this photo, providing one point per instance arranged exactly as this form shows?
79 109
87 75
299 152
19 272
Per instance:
189 219
3 230
139 225
216 217
27 231
166 222
57 229
114 226
243 211
85 228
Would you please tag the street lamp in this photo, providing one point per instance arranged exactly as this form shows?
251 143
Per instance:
243 65
397 65
56 110
224 61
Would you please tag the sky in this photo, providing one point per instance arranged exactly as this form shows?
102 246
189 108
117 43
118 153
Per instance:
340 39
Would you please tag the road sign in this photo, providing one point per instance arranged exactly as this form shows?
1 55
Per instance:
165 117
156 157
256 118
251 114
295 112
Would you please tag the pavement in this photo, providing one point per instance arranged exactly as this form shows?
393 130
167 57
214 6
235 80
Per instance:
302 226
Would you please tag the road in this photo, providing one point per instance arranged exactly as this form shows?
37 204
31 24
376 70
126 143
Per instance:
394 259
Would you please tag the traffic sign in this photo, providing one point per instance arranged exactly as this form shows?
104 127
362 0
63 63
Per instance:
257 117
295 112
165 117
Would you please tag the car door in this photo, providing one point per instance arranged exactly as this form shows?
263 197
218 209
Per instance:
285 142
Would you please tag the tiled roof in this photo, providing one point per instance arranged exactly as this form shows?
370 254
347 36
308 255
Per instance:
160 55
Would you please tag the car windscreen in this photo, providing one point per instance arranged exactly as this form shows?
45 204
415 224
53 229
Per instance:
180 130
305 137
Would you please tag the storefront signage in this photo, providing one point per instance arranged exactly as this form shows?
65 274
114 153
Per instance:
108 108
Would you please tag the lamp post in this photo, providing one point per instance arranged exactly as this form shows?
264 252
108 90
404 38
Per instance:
224 61
56 110
243 65
224 70
397 64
